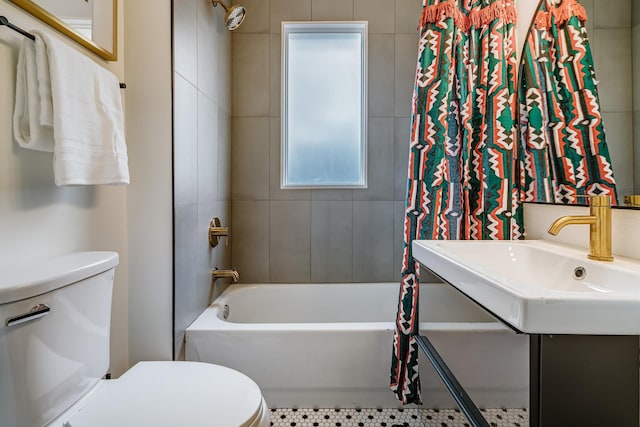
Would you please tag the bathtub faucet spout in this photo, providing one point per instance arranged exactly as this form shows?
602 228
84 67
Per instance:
225 274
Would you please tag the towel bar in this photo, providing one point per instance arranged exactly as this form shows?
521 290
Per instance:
4 21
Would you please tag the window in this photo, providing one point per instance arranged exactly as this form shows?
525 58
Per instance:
324 77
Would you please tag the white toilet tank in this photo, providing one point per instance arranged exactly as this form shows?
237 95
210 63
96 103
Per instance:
54 334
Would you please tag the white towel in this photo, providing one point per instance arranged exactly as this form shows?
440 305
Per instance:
88 122
33 110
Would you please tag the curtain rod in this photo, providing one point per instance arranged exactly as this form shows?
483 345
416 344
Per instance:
5 21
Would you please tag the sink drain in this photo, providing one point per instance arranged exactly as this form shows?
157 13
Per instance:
579 273
225 312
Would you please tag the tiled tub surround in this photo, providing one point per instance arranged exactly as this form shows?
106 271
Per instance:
609 28
320 235
329 345
201 154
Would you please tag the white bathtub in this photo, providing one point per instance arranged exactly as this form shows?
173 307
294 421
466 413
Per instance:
329 345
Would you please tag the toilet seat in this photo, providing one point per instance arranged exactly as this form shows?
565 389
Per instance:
171 394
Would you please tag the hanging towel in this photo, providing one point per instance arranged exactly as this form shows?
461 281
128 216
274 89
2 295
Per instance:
88 122
33 110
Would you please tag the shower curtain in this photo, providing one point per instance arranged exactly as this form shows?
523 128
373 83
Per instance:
562 140
462 169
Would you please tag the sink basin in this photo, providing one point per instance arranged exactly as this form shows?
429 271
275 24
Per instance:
540 287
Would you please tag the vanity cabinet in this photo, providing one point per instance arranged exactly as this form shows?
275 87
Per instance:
582 318
575 380
583 380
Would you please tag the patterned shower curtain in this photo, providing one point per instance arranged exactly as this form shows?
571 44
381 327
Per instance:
562 140
462 167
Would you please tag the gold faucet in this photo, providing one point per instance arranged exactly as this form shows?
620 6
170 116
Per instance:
632 200
225 274
599 222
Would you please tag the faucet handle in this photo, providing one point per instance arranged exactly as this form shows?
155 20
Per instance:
216 231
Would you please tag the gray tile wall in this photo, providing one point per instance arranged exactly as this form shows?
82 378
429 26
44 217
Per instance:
610 33
202 154
635 43
320 235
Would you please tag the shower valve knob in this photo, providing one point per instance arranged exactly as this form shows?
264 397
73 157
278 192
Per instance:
216 231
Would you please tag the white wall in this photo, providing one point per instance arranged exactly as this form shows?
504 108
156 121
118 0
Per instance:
38 219
147 53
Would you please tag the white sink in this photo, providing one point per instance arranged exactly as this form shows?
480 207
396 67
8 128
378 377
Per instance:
533 285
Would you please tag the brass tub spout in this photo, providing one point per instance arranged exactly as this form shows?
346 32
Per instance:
225 274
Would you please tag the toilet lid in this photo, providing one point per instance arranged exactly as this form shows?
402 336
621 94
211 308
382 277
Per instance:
173 394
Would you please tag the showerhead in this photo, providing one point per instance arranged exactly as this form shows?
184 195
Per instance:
235 14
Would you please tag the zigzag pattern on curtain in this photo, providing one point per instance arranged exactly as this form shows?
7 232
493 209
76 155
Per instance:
563 149
462 171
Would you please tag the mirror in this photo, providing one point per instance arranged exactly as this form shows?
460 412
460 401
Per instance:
91 23
556 63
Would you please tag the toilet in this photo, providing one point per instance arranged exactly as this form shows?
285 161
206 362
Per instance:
54 353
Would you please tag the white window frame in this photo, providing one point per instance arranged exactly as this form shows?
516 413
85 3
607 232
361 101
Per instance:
324 27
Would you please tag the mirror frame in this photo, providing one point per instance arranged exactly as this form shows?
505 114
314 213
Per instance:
53 21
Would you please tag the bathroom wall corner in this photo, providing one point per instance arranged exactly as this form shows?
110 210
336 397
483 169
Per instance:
202 168
147 55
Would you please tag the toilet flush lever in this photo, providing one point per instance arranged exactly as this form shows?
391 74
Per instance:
216 231
36 312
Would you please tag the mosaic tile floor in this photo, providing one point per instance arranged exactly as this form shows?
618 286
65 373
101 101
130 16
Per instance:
392 417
